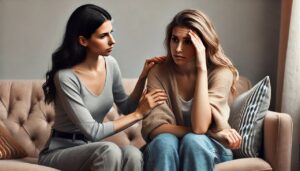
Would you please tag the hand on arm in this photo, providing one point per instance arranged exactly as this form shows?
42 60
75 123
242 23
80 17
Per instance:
147 102
139 87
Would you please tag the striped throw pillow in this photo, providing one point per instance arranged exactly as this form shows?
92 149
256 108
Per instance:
246 116
9 148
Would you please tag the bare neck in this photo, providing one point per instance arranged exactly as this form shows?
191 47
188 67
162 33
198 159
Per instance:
92 63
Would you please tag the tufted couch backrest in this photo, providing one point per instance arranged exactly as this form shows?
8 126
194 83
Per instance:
24 113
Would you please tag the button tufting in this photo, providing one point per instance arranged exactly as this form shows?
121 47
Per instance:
48 119
39 98
130 136
21 122
33 138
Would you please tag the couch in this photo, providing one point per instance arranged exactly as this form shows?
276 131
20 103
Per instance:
29 121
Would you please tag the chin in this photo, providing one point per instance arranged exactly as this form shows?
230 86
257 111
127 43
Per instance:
105 54
179 62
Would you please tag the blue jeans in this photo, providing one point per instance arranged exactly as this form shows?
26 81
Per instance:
191 153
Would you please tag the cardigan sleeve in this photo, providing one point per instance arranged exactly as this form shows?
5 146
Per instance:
219 85
162 114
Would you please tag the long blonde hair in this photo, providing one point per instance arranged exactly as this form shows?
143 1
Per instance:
200 23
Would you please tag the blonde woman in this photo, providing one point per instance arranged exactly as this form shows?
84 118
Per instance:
190 130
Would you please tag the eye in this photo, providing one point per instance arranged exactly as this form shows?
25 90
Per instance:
174 39
188 42
102 36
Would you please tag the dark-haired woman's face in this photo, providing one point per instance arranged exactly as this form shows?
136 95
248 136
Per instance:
101 41
181 46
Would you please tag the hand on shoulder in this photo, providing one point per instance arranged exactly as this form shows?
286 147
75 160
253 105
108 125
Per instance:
149 63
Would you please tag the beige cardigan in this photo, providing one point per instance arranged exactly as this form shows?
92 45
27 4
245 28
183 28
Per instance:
162 76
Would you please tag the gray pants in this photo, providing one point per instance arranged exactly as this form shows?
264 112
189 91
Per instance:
104 156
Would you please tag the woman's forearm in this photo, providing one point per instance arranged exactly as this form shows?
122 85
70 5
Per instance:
201 111
126 121
138 89
178 131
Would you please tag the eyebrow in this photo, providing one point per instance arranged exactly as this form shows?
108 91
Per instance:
105 33
185 38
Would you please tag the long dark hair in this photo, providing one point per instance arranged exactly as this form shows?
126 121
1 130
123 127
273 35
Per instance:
83 22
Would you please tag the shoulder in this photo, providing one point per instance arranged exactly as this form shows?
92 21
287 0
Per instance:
112 64
65 76
222 74
161 69
110 60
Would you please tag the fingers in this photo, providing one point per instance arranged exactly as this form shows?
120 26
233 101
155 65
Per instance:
196 40
156 97
157 59
234 139
231 141
150 65
237 138
156 91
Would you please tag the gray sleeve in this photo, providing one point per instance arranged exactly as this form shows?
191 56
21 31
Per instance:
125 104
68 92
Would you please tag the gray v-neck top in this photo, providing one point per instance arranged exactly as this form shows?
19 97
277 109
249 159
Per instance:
79 110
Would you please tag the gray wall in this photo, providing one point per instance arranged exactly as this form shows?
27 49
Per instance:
30 30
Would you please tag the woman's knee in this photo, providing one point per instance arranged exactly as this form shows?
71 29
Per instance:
163 144
199 141
132 153
110 151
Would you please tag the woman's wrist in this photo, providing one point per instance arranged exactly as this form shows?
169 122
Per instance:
201 66
143 77
138 115
201 69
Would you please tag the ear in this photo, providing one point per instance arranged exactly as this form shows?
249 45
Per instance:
83 41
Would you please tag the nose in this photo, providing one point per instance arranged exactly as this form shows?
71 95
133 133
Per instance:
111 40
179 47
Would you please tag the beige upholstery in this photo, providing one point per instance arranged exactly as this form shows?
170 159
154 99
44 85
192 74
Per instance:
29 120
278 130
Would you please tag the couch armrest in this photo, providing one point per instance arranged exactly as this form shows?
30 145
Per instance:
278 130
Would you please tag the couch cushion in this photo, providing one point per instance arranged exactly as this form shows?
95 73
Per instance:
9 148
131 135
24 114
245 164
242 85
15 165
246 116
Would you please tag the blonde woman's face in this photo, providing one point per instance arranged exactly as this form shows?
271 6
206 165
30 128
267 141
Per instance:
181 46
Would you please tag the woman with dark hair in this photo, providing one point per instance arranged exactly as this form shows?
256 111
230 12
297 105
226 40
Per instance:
191 131
83 83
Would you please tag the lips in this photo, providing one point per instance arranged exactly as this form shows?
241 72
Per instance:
109 49
179 57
